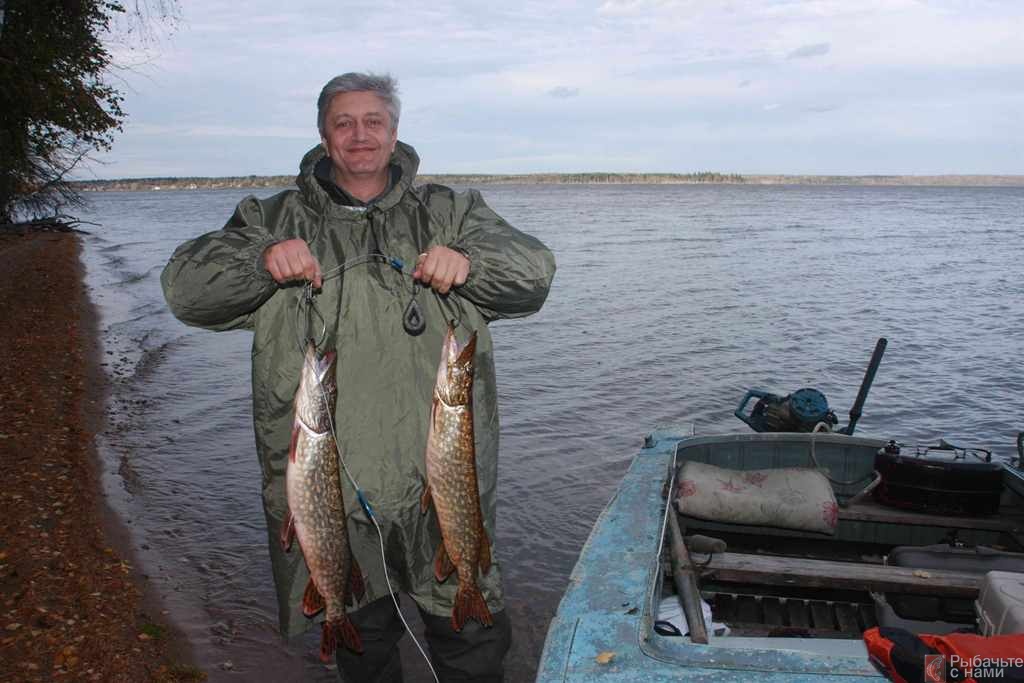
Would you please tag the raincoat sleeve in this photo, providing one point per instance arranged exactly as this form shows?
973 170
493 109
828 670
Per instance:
510 272
218 280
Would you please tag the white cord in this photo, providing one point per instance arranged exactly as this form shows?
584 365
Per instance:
394 598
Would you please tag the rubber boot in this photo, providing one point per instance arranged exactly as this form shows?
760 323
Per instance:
474 655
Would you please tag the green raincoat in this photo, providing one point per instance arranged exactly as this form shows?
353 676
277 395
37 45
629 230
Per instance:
385 376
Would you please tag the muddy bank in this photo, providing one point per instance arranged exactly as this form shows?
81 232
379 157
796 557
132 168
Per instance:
72 605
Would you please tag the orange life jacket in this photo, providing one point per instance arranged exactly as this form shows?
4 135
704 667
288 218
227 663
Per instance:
964 657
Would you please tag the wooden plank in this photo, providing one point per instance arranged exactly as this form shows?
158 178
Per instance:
724 607
686 582
797 571
869 511
867 617
821 614
799 613
846 617
748 610
773 612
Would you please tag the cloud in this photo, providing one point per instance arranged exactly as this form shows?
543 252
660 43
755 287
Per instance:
563 92
813 50
821 108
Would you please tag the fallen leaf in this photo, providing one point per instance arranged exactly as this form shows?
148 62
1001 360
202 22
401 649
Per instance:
922 574
605 657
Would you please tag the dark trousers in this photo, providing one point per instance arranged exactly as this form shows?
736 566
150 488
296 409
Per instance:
474 655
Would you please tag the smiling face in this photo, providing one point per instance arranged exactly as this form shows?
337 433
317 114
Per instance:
359 138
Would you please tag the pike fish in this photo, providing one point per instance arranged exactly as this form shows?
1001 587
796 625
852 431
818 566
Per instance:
452 483
316 509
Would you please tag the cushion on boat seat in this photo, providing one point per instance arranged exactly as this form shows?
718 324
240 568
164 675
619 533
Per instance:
788 498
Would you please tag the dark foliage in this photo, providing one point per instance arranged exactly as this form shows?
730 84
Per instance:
55 106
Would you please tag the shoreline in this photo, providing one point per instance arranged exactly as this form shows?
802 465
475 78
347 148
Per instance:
75 605
703 178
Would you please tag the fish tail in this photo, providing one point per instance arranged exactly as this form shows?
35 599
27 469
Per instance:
349 634
470 604
334 630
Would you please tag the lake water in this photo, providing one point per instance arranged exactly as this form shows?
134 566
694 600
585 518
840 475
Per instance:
669 302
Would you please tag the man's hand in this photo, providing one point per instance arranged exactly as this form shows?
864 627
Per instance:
441 268
291 260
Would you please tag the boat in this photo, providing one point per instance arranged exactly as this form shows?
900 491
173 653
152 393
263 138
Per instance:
787 605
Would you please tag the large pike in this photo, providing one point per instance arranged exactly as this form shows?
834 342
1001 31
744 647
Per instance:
452 483
316 507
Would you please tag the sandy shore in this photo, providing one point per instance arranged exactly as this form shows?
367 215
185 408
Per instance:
73 606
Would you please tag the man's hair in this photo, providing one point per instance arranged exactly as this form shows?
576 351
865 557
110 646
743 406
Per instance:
384 86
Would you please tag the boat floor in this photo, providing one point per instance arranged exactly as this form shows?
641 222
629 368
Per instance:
789 617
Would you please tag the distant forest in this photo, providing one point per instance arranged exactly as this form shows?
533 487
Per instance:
703 177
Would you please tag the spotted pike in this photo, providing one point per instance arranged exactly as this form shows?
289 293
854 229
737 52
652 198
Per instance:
316 507
452 483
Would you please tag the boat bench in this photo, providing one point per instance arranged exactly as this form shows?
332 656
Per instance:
811 573
873 512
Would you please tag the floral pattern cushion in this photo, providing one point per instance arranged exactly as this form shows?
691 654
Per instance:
791 498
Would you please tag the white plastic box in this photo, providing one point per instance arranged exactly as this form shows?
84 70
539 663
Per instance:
1001 604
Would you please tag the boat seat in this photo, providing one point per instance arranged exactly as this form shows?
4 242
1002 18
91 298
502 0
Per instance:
921 610
980 559
800 571
867 511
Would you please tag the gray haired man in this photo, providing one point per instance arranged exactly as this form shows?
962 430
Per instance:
355 200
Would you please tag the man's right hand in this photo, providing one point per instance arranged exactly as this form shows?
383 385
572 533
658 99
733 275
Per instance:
292 260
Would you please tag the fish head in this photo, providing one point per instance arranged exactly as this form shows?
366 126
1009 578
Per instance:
318 388
455 371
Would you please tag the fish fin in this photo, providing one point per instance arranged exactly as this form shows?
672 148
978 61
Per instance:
356 588
485 550
293 446
470 604
426 499
329 636
443 566
287 531
433 413
312 601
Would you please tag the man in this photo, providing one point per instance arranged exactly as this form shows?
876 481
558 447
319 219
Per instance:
355 198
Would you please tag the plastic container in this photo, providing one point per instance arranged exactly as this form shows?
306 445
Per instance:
1001 604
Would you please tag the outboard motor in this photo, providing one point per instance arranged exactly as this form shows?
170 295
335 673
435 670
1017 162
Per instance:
805 408
796 412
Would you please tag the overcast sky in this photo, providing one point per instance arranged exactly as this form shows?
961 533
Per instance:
745 86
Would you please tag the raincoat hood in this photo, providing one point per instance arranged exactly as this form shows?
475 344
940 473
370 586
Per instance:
404 160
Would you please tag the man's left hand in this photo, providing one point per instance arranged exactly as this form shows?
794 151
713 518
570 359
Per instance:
441 268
